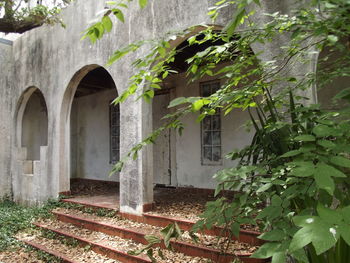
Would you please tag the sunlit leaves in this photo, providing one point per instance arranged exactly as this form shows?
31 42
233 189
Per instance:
143 3
107 23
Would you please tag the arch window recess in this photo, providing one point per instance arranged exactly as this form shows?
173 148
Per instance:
34 125
114 131
210 129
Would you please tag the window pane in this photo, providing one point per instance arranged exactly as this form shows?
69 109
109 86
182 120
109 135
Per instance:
207 154
207 123
115 130
216 122
215 87
216 138
207 138
216 154
115 156
115 142
206 90
114 119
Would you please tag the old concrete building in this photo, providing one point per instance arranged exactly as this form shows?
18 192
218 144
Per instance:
57 123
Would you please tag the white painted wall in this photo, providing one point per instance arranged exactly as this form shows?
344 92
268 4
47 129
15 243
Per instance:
90 136
34 126
186 167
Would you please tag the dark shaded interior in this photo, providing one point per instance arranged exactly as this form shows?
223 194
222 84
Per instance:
96 80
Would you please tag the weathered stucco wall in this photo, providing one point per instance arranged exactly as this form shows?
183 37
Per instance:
91 145
6 67
54 60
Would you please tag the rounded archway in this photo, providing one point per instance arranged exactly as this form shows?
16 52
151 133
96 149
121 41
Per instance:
30 177
32 123
192 159
89 145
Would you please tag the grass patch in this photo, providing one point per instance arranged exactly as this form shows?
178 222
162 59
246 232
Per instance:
14 218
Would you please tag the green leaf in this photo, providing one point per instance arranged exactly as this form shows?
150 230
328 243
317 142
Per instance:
326 144
235 228
324 181
322 130
322 234
273 235
152 239
329 215
279 257
237 19
119 14
194 68
270 212
143 3
346 214
276 200
197 105
344 94
300 255
304 169
177 101
340 161
107 23
301 239
266 251
264 187
344 231
291 153
305 138
327 170
332 38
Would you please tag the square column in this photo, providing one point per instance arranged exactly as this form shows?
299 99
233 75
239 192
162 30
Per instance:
136 178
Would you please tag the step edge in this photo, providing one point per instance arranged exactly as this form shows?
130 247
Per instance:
199 247
49 251
83 240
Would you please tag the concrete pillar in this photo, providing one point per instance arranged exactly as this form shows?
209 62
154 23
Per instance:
136 178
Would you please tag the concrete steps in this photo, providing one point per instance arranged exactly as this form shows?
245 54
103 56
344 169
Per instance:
104 250
137 235
246 236
84 228
63 258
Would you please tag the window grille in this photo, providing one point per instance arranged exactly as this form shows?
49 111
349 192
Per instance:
114 132
211 129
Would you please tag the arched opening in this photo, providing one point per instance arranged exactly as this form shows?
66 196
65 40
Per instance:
89 132
31 183
192 159
34 125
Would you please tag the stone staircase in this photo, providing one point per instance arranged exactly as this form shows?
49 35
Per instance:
110 238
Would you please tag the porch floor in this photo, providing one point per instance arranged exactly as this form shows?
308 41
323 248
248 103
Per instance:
183 203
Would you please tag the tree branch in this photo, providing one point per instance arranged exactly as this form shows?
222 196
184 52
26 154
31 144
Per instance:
18 26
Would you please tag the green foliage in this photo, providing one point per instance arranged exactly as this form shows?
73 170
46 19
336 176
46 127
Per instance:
15 218
170 232
18 16
45 257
